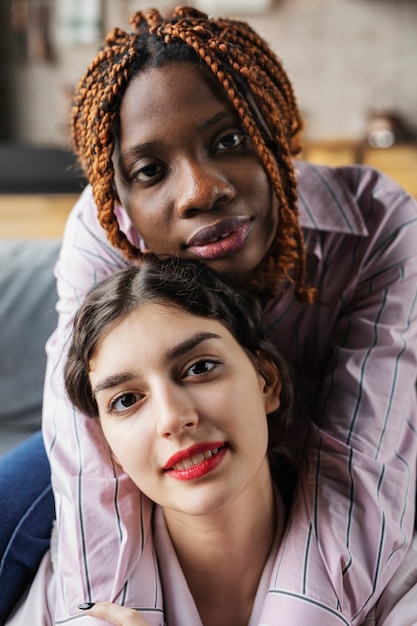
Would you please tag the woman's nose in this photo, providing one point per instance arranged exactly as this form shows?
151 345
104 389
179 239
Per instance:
200 187
174 412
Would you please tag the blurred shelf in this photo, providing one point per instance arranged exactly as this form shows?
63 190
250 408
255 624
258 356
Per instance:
399 161
31 169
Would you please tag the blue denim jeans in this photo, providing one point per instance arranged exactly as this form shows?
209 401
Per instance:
27 512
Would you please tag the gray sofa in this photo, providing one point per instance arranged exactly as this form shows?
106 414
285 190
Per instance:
27 317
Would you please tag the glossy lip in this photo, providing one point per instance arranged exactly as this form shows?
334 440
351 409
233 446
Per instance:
200 469
191 451
222 239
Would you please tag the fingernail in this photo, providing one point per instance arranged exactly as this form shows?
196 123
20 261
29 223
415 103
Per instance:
86 605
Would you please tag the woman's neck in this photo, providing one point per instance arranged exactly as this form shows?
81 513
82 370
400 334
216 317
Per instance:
223 555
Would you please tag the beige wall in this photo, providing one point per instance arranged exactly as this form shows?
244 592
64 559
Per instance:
345 57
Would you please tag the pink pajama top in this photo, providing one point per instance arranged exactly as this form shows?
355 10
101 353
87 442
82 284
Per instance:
354 353
176 606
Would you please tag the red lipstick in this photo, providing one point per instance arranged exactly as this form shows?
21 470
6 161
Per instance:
196 461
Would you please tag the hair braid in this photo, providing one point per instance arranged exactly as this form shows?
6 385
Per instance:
256 85
95 109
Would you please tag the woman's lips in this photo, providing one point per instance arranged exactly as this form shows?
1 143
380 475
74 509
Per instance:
196 461
220 240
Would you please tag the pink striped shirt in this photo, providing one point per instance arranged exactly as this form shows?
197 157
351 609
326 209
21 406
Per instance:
355 356
396 605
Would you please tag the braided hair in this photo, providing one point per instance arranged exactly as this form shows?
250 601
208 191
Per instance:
254 81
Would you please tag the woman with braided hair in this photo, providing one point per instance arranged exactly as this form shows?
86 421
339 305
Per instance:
188 131
241 62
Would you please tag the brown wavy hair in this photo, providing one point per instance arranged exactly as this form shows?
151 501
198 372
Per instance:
253 79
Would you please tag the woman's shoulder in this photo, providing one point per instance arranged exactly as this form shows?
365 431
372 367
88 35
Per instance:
340 199
86 253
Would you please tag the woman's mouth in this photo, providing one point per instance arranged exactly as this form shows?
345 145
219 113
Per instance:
195 463
195 459
220 240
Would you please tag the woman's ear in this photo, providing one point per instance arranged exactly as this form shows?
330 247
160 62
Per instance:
270 381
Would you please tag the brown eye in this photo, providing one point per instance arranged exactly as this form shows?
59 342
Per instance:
231 141
148 173
201 367
125 401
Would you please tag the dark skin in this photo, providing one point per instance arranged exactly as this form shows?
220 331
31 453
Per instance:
189 176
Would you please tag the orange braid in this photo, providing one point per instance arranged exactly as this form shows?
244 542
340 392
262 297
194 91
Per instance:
254 81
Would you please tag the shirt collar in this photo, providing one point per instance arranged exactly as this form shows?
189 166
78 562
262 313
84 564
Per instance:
326 202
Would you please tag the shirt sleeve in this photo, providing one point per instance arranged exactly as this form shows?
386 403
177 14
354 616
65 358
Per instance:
397 604
353 517
101 519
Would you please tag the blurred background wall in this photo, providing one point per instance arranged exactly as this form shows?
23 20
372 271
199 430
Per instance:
347 58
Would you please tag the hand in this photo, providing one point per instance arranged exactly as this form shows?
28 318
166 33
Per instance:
114 614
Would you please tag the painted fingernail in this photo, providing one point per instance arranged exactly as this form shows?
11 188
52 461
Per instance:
86 605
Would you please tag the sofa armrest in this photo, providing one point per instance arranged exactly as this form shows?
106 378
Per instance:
27 318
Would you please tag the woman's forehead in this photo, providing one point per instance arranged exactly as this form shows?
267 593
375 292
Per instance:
174 78
161 102
160 327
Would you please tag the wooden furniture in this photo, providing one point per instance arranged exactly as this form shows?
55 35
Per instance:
34 216
399 161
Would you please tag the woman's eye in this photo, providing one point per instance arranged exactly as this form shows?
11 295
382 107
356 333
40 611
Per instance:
124 402
147 173
201 367
231 141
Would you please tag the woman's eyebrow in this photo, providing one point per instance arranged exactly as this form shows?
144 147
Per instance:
212 121
112 381
137 150
121 378
188 344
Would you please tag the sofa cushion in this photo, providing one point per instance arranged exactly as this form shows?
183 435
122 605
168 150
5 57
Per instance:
27 318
